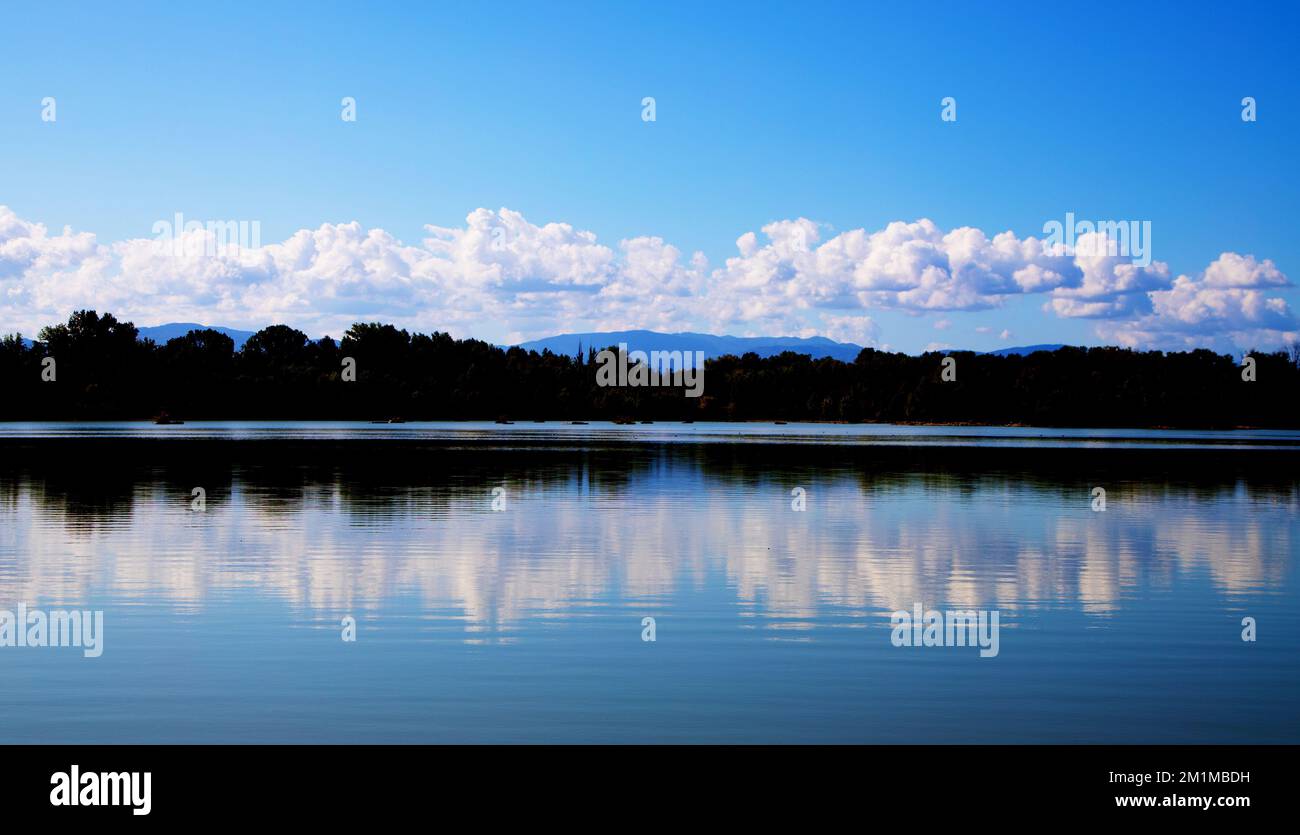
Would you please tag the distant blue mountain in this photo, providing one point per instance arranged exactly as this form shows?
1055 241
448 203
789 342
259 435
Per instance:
642 340
712 346
162 333
1022 350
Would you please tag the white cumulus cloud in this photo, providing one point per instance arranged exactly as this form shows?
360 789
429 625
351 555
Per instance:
1227 307
502 276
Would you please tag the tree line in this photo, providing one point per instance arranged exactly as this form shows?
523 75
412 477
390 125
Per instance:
102 370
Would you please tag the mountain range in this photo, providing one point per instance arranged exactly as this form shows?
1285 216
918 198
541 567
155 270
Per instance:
162 333
712 346
569 344
1022 350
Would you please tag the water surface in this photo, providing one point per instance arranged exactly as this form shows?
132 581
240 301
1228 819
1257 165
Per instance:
525 624
524 432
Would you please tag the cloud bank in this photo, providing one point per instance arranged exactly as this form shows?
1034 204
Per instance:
501 275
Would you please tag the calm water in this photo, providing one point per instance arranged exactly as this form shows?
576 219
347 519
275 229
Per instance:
550 432
525 624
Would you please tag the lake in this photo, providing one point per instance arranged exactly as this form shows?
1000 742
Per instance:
500 578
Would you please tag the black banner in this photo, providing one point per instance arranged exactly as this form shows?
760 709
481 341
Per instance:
334 784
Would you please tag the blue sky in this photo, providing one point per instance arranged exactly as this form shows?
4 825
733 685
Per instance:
764 113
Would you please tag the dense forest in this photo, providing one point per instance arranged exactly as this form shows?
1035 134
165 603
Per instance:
102 370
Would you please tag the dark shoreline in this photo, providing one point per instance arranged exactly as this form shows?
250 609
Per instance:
403 457
95 367
605 421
